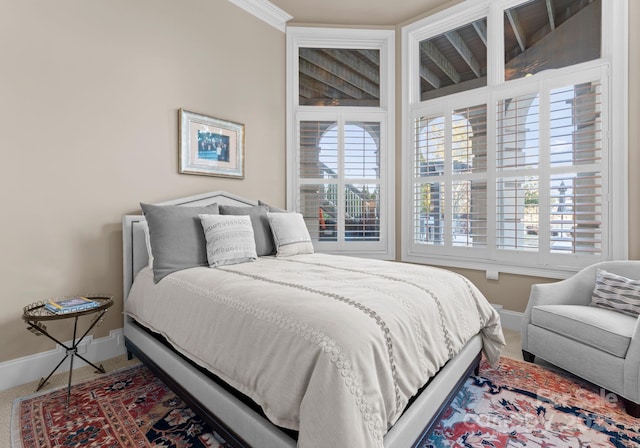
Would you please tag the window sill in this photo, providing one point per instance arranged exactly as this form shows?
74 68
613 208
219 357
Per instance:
491 266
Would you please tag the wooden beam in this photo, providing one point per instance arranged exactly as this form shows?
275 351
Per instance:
550 13
346 102
324 77
429 50
372 55
340 77
310 87
517 29
429 76
464 51
481 29
453 88
316 93
355 64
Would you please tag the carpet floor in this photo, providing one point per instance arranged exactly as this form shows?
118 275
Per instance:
514 404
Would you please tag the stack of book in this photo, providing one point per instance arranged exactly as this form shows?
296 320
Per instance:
70 305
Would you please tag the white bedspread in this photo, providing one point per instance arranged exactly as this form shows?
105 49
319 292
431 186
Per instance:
331 346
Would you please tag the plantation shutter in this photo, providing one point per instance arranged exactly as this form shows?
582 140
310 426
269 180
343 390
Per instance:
576 160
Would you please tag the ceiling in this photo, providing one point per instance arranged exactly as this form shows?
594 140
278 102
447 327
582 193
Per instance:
356 12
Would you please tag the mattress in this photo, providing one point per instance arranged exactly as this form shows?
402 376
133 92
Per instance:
330 346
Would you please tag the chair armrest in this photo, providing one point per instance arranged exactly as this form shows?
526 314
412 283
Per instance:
634 345
574 290
632 367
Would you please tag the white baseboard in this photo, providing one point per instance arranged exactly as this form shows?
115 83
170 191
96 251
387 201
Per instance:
511 320
30 368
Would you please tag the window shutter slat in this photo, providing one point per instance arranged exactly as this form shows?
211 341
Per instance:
429 213
318 150
517 220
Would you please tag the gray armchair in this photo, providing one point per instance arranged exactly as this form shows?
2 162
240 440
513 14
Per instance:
597 344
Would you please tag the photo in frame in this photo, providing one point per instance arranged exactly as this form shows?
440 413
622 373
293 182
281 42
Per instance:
210 146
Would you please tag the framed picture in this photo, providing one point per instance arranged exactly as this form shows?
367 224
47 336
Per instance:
210 147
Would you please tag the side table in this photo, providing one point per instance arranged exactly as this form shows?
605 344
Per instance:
36 314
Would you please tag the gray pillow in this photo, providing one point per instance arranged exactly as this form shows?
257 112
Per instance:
290 234
229 239
271 208
616 293
176 236
260 224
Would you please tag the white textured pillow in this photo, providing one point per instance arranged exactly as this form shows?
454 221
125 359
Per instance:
147 240
617 293
290 234
229 239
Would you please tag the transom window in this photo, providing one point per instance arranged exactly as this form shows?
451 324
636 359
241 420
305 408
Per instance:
339 77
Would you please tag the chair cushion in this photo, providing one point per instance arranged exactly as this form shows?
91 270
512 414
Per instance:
600 328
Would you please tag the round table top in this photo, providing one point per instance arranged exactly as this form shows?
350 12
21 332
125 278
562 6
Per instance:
36 311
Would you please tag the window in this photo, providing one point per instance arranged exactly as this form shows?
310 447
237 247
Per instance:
340 131
512 137
338 77
455 60
541 35
457 167
357 204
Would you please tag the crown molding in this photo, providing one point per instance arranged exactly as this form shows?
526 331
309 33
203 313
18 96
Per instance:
265 11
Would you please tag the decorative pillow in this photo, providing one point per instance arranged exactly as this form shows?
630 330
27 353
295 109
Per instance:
229 239
147 240
260 224
271 208
290 234
617 293
177 240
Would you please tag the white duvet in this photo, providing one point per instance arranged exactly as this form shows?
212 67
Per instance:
330 346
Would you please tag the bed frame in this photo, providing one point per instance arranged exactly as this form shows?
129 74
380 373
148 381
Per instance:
232 415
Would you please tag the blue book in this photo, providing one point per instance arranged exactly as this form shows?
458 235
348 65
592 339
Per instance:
71 305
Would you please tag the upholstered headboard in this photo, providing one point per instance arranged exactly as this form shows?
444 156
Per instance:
134 246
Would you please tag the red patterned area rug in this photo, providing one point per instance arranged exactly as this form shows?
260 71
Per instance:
126 408
519 404
515 404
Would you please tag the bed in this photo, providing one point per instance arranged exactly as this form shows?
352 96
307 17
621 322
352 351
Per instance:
309 349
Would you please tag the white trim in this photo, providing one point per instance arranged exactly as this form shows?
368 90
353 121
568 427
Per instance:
500 266
30 368
619 125
265 11
511 320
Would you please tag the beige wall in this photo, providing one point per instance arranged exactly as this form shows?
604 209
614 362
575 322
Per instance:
89 93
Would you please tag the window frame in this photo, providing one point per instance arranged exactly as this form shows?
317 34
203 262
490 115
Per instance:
342 38
613 65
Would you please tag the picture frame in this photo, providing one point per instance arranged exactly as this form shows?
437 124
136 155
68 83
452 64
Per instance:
210 146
